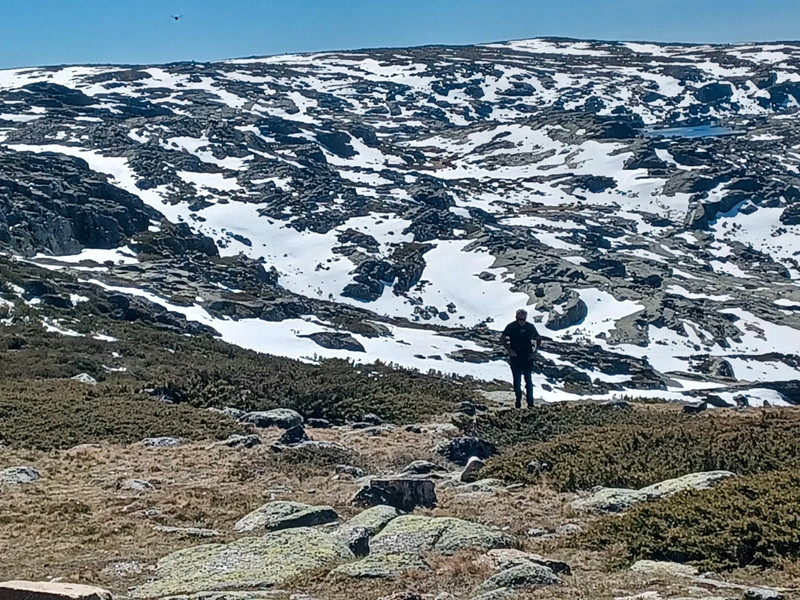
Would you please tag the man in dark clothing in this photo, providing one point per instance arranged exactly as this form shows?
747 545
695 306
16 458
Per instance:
518 338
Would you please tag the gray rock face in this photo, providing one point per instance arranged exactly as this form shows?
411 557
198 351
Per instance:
252 562
397 548
18 475
283 418
284 515
618 499
401 493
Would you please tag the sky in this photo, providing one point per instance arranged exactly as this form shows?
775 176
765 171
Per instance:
56 32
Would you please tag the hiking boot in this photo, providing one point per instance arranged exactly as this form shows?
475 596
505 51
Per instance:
518 404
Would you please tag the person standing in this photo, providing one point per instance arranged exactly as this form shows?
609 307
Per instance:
518 339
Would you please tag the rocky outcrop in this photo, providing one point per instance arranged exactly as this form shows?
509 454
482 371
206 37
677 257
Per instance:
51 590
283 418
402 493
274 516
618 499
251 562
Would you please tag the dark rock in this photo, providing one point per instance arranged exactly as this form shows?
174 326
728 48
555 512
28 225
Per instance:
336 341
284 418
295 435
242 441
460 450
319 423
354 472
401 493
696 408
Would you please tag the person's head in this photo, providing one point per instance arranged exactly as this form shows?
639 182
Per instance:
522 315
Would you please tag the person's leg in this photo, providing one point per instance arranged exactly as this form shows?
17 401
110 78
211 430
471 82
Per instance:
516 372
528 383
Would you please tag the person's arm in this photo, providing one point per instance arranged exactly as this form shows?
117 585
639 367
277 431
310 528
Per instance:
536 337
505 340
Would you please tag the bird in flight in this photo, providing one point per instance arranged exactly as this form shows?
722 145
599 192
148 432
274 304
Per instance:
176 17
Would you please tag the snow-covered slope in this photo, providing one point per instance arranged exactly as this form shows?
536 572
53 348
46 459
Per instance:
642 199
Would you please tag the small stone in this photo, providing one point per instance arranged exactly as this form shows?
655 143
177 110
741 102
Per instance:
319 423
85 378
18 475
763 594
522 576
160 442
421 467
242 441
470 472
350 470
135 485
662 568
189 532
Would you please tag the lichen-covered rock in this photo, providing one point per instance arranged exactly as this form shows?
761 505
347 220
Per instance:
374 519
619 499
382 565
253 562
443 535
501 559
525 575
273 516
242 441
50 590
663 568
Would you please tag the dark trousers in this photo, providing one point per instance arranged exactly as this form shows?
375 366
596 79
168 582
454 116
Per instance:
522 366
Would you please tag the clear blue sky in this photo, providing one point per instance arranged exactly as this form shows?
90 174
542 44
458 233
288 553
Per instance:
53 32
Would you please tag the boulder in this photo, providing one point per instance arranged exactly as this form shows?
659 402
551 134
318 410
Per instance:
319 423
355 538
284 418
350 470
459 450
402 493
85 378
381 566
662 568
526 575
763 594
285 515
441 535
374 519
50 590
18 475
294 435
505 558
252 562
242 441
619 499
470 472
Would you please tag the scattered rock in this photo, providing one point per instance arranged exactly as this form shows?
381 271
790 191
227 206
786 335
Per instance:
85 378
160 442
354 472
663 568
402 493
135 485
421 467
374 519
763 594
50 590
319 423
18 475
284 418
383 565
461 449
355 538
695 408
293 436
253 562
188 532
285 515
242 441
505 558
470 472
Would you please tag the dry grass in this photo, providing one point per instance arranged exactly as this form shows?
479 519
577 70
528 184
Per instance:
74 522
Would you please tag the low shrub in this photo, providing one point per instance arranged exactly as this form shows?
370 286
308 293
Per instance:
660 446
60 414
746 521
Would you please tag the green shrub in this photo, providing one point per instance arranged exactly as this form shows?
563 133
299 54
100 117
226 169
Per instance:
745 521
508 428
660 446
